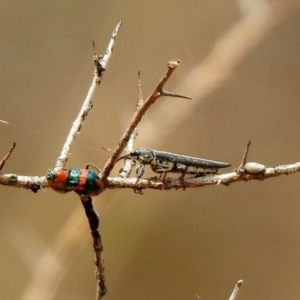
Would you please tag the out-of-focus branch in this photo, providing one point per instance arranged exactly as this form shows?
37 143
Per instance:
228 53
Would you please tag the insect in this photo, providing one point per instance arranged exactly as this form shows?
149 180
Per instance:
82 181
164 162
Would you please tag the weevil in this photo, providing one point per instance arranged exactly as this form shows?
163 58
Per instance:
163 162
82 181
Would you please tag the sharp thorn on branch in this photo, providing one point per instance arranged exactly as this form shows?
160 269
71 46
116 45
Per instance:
6 157
241 168
169 94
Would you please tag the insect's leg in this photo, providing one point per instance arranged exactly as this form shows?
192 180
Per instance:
164 175
139 173
181 178
95 167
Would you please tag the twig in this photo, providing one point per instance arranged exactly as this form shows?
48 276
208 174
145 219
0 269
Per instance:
87 105
126 170
236 290
93 218
157 93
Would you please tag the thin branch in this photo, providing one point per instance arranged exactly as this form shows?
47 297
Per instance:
158 92
87 105
236 290
229 51
126 170
93 219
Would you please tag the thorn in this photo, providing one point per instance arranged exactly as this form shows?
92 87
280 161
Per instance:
166 93
107 150
6 157
241 168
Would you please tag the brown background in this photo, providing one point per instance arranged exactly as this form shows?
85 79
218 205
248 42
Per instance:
163 245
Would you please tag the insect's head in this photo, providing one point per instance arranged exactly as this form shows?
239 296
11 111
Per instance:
141 154
51 174
58 175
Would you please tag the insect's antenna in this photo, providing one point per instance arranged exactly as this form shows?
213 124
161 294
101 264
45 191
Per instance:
95 167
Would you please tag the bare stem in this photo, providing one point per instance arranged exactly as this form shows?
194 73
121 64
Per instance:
93 219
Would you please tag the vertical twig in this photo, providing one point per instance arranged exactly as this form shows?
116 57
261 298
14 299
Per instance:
87 105
93 219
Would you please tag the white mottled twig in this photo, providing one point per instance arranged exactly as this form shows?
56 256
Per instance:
87 105
236 290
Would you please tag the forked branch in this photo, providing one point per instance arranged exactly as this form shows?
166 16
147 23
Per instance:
157 93
100 62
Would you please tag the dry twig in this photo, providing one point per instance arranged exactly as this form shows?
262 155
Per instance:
236 290
87 105
157 93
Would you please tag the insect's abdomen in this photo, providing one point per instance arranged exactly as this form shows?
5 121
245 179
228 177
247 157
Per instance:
81 180
169 162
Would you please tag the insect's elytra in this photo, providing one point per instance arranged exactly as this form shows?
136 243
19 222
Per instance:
163 162
82 181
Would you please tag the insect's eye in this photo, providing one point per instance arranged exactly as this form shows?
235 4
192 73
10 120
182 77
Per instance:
146 157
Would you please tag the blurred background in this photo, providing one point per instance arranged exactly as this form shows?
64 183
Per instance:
240 64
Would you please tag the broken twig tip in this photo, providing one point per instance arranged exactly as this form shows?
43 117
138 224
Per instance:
240 282
173 63
236 289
